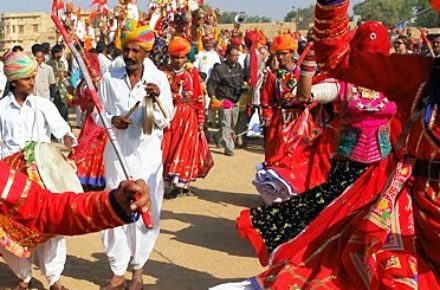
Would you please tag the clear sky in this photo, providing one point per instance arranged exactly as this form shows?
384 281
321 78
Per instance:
275 9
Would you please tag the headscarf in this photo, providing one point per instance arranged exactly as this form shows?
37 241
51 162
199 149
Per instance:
284 42
236 41
252 39
133 31
371 37
18 65
179 46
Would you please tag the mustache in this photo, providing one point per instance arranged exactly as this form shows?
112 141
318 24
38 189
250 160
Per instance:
129 61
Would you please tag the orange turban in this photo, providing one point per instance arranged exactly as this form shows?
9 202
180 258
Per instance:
179 46
284 42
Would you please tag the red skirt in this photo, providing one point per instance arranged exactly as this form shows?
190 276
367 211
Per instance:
88 155
279 135
186 154
386 240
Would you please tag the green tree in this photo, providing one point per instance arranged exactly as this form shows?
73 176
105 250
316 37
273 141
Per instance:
229 17
397 11
258 19
305 16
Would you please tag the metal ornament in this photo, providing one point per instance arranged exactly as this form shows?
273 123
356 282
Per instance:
148 116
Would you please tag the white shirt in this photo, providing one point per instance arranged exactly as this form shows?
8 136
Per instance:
104 63
36 120
3 79
205 61
132 11
143 153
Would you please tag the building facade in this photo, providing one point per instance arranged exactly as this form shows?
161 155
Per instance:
25 29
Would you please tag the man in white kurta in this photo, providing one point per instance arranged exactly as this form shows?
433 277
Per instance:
23 118
132 244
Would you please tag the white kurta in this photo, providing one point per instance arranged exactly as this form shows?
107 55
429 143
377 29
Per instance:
3 80
143 154
205 61
36 120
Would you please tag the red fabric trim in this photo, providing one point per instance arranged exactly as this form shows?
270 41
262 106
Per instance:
247 231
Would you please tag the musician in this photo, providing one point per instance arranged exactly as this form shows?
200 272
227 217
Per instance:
23 118
120 90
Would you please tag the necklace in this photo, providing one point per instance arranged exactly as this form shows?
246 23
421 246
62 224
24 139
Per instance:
368 100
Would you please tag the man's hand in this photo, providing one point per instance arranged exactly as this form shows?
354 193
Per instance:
126 192
68 141
152 90
121 122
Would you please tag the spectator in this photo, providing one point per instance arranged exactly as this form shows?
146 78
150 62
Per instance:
402 45
104 60
208 57
44 85
17 48
225 84
59 70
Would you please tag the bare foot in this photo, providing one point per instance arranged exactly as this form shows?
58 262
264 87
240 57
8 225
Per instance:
58 286
22 286
116 283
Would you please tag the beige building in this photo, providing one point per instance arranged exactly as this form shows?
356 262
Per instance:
25 29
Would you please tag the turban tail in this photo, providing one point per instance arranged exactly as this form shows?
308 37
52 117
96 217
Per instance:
179 46
19 66
132 31
252 39
284 42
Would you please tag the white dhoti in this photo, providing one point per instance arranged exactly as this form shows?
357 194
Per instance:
51 261
132 244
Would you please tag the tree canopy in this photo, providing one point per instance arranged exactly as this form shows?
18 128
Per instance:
392 12
229 17
305 16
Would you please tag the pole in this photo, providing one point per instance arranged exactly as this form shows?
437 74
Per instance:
99 107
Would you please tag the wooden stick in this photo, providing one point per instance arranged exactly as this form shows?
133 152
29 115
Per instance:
161 107
128 115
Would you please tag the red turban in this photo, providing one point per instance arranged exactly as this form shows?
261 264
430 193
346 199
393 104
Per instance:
251 39
179 46
236 41
371 37
284 42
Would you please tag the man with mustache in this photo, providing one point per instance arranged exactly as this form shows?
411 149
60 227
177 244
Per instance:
120 89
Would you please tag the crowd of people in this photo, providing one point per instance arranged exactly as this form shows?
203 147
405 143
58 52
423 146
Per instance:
349 117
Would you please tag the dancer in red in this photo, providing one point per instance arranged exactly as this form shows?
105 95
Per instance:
364 147
276 99
306 160
88 155
391 241
186 155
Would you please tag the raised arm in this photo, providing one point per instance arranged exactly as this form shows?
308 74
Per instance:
394 75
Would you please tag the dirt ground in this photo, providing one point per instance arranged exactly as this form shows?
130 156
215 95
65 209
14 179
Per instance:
198 245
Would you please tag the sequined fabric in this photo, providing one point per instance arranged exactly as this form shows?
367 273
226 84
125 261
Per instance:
280 222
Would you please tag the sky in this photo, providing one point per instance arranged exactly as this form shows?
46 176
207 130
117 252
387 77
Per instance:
275 9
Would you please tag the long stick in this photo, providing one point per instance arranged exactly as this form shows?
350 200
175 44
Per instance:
99 107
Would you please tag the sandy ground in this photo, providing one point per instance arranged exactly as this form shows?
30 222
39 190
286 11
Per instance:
198 245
